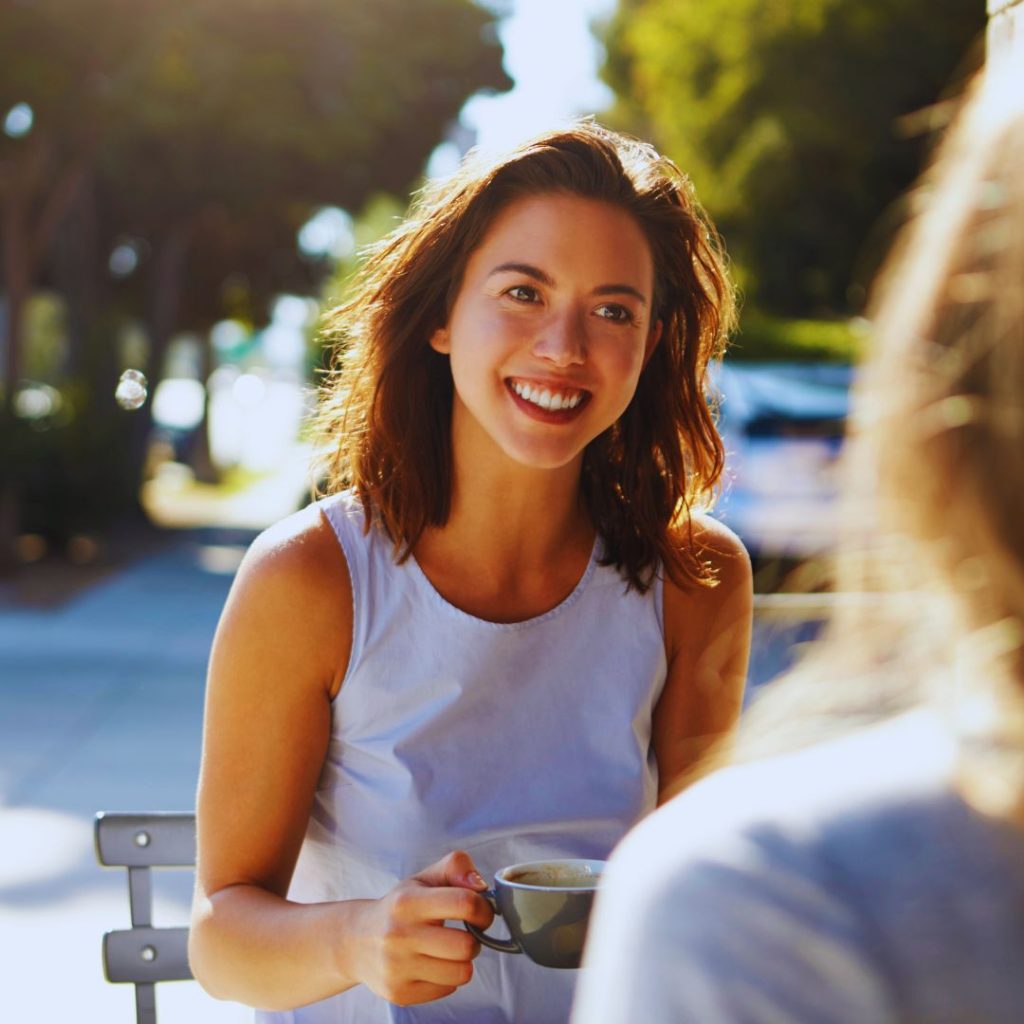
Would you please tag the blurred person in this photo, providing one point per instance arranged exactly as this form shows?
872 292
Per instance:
508 626
861 859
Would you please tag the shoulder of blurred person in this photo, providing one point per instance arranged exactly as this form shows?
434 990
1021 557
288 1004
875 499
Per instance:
822 885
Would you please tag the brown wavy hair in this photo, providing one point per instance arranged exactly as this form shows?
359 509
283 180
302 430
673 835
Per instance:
386 406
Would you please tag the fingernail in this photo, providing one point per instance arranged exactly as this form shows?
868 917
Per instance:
476 880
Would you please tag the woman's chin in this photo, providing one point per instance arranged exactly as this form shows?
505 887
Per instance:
545 458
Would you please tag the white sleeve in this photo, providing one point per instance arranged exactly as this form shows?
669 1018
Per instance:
741 929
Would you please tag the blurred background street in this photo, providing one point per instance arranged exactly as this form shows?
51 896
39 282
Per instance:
100 708
181 201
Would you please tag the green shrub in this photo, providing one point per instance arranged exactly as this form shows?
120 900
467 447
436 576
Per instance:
765 338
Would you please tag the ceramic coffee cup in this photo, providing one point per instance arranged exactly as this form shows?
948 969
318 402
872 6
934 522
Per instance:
546 905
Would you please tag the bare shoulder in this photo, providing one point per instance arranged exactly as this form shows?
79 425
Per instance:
732 593
293 588
298 551
717 546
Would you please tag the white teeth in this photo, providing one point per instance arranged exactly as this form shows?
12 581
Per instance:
543 398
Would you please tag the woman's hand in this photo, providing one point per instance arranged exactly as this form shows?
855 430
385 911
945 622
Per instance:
400 946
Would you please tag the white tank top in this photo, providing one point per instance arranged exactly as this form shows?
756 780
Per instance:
513 741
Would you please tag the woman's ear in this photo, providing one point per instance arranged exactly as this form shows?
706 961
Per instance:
439 341
653 337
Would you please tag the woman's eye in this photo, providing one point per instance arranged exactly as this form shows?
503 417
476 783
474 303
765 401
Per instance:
522 293
616 313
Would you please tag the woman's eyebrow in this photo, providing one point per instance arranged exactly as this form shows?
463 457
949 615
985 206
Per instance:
539 275
621 289
524 268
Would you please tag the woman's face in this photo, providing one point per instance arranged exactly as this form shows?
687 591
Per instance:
549 330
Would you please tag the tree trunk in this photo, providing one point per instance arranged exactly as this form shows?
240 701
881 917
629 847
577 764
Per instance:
79 269
18 285
165 292
37 201
26 238
202 462
10 514
165 287
17 282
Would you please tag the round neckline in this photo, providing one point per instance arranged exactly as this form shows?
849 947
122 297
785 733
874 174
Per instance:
535 620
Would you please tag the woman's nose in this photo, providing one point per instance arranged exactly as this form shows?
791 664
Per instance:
562 341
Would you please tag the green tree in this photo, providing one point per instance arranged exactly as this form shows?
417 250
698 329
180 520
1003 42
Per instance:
794 118
206 134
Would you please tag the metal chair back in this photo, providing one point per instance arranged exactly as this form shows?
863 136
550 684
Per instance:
143 955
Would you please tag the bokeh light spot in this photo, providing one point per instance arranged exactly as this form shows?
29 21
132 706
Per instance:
132 390
19 121
123 260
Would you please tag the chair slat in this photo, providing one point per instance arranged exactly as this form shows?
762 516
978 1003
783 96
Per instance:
165 839
145 1004
142 955
140 897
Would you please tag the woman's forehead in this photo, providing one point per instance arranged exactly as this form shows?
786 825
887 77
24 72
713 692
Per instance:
562 230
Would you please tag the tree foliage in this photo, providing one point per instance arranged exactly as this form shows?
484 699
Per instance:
203 135
214 129
793 117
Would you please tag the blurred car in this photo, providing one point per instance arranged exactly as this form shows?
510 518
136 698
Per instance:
783 425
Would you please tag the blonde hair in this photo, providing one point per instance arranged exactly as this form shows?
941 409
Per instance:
934 477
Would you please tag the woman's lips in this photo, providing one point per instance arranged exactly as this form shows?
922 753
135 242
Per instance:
535 397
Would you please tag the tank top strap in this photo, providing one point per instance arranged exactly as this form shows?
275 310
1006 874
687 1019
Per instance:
344 512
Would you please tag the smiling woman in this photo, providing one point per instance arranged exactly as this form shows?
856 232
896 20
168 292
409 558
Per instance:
533 340
643 241
506 630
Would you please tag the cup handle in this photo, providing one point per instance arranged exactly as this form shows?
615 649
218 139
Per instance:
501 945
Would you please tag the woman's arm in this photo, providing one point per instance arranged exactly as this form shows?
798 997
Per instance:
707 642
278 659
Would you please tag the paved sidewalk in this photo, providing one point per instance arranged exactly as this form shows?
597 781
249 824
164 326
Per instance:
100 709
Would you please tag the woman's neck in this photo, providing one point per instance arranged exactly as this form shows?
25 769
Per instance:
516 543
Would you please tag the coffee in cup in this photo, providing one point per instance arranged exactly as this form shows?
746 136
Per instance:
546 905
